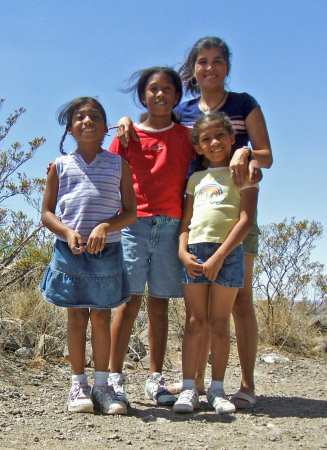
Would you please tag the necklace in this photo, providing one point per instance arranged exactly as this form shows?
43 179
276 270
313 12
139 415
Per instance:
206 108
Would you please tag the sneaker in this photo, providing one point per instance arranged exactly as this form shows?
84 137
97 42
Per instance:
79 398
187 401
106 401
118 384
156 390
220 402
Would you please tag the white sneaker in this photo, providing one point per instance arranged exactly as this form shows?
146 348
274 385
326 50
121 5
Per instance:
117 382
156 390
187 401
105 400
79 398
220 402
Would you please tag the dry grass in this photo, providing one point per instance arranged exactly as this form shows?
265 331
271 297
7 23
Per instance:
36 315
286 329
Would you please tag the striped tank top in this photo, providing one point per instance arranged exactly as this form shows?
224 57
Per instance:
89 193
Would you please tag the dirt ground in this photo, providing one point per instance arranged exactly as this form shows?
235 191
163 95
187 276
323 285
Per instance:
291 410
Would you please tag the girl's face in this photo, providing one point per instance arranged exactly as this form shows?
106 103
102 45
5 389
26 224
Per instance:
215 143
160 95
210 69
88 125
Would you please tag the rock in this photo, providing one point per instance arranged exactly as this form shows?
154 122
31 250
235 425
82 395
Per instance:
25 352
272 358
12 335
319 323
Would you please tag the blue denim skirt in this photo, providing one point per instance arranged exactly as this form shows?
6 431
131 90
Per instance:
88 280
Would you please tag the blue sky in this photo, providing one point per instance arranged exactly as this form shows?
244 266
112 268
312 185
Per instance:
53 51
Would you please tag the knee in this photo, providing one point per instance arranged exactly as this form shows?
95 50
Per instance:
78 318
129 310
219 327
195 325
243 304
100 318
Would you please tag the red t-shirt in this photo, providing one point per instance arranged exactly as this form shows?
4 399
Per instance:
159 163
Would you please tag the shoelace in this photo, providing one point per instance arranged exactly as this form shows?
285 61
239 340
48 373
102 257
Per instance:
80 390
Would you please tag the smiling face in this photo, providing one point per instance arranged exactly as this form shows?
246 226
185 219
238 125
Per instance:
215 143
160 95
88 125
210 69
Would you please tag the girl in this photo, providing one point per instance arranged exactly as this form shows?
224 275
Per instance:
85 274
216 218
159 160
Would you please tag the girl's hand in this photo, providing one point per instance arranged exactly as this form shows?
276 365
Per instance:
125 131
192 267
255 172
75 242
97 239
212 266
49 167
239 166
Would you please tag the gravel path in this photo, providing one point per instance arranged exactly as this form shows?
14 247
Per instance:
291 411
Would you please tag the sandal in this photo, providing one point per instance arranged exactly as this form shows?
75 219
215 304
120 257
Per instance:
239 395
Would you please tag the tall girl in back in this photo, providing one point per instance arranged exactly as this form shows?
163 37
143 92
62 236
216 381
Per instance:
216 218
86 274
159 161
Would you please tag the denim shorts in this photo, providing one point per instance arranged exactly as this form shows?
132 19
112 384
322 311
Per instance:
150 249
251 243
231 273
87 280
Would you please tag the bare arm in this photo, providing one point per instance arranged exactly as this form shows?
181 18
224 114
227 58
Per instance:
125 130
51 221
249 198
192 267
259 138
97 238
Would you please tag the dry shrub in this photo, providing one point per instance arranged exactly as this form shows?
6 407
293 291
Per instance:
286 326
176 316
37 316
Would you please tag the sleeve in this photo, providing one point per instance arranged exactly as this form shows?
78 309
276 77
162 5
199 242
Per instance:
248 104
190 185
247 184
116 147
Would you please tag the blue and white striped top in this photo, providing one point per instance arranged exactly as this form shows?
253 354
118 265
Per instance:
89 193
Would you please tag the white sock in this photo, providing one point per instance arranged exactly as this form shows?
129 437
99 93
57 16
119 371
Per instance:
216 385
188 384
155 375
100 378
82 378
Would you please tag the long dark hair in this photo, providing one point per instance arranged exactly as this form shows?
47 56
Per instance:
187 68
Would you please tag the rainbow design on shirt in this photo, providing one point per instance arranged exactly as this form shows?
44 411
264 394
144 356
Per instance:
211 189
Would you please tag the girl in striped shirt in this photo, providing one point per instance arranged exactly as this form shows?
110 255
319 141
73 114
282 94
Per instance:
94 192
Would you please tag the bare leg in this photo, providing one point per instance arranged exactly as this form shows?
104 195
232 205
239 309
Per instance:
203 355
100 338
121 329
219 322
246 331
157 331
196 304
76 338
